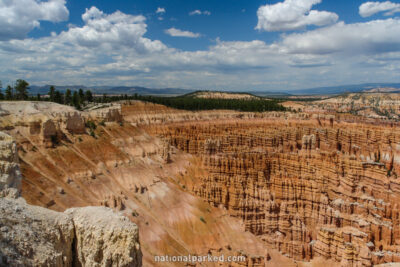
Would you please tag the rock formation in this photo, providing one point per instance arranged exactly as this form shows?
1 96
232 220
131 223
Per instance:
313 187
136 174
75 124
91 236
35 236
10 175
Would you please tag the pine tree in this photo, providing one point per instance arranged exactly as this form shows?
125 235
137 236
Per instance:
58 97
76 100
81 96
9 93
88 96
52 93
68 97
21 88
104 99
38 97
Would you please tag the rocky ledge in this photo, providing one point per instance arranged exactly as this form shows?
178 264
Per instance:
35 236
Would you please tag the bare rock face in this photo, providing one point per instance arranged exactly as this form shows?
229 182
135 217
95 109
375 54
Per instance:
35 236
308 142
10 175
165 152
49 129
309 188
104 238
110 114
91 236
75 124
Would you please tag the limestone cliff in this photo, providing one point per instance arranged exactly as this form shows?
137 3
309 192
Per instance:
35 236
91 236
10 175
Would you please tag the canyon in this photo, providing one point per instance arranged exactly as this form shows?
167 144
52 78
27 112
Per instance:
310 188
373 104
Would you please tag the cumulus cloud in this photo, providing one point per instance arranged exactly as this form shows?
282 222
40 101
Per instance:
179 33
113 49
292 15
199 12
370 8
376 36
111 31
160 10
18 17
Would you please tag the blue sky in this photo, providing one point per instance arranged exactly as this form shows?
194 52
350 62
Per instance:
223 45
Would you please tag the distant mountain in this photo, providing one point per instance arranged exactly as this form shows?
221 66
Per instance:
112 90
354 88
130 90
382 90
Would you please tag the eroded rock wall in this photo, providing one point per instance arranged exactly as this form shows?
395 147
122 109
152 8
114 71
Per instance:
10 174
35 236
309 188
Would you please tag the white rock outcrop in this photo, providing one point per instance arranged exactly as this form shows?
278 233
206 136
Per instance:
35 236
10 175
104 238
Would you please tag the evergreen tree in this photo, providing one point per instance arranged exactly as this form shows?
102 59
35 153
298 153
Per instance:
104 99
68 97
52 93
21 88
81 95
9 93
76 101
88 96
38 97
58 97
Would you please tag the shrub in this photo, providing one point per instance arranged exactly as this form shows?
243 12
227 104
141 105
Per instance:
91 125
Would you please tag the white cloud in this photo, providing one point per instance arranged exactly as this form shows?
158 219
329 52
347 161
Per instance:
111 31
370 8
160 10
18 17
113 49
199 12
376 36
179 33
292 15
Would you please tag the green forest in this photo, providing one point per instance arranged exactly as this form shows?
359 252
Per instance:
80 98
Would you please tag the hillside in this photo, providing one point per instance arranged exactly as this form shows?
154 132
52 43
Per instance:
371 105
222 95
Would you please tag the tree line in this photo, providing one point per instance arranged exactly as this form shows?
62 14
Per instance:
79 99
191 103
20 91
17 92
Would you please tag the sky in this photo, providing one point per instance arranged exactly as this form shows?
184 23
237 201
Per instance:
236 45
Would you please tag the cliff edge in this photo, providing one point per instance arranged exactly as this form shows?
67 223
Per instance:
35 236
